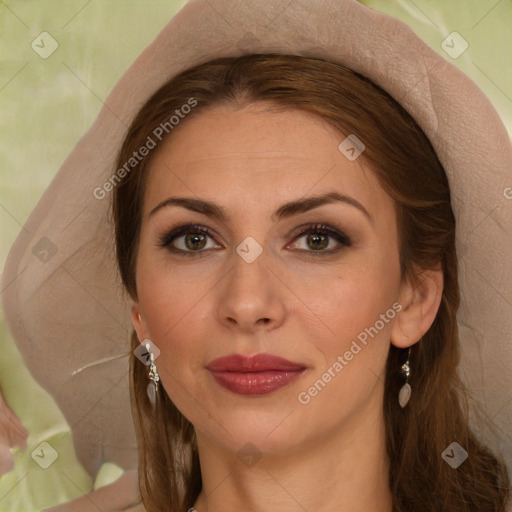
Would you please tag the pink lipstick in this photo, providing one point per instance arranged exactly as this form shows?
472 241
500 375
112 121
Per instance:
257 375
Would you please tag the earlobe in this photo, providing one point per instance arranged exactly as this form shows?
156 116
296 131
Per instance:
420 303
137 322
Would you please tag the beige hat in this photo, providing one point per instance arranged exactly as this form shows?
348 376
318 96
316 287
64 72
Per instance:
63 299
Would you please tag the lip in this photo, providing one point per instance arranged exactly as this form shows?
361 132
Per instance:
257 375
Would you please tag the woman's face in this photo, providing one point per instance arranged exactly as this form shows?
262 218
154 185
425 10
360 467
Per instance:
258 283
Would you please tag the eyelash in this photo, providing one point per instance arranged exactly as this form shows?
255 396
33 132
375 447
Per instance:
323 229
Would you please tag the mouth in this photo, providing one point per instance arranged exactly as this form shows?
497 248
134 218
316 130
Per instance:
257 375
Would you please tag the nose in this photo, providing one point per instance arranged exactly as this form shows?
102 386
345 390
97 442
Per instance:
251 296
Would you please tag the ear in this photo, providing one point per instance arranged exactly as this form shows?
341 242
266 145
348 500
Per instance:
138 322
420 302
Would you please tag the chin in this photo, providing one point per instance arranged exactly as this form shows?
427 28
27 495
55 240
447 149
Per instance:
272 427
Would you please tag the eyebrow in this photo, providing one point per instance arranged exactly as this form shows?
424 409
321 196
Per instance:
212 209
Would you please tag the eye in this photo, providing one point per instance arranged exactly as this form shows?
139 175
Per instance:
193 239
187 239
318 239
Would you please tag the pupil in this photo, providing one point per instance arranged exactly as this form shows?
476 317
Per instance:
318 238
196 241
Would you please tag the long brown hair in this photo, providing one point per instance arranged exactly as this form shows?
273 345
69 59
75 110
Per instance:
407 167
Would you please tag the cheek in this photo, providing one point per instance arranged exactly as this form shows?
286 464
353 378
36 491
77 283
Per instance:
352 297
169 293
353 319
357 321
174 305
171 319
349 365
160 308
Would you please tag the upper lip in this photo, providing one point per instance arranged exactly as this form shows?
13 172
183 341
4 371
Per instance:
257 363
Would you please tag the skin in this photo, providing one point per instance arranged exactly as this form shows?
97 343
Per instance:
303 305
12 434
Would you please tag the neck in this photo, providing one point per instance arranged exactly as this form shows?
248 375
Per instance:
346 471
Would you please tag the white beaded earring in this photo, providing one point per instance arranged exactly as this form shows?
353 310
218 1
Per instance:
405 391
152 388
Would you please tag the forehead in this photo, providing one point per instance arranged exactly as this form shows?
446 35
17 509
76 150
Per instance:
248 155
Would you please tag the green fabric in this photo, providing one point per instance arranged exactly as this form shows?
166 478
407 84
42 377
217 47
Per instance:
46 105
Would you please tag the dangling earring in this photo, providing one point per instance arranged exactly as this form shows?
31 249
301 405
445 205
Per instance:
405 391
152 388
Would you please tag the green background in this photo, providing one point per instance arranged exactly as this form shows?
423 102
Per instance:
46 105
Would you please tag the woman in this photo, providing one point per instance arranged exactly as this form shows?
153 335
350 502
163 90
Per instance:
382 255
340 287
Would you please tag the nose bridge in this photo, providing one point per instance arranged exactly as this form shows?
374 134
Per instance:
250 294
250 272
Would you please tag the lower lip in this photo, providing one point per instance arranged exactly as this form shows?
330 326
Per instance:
256 383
